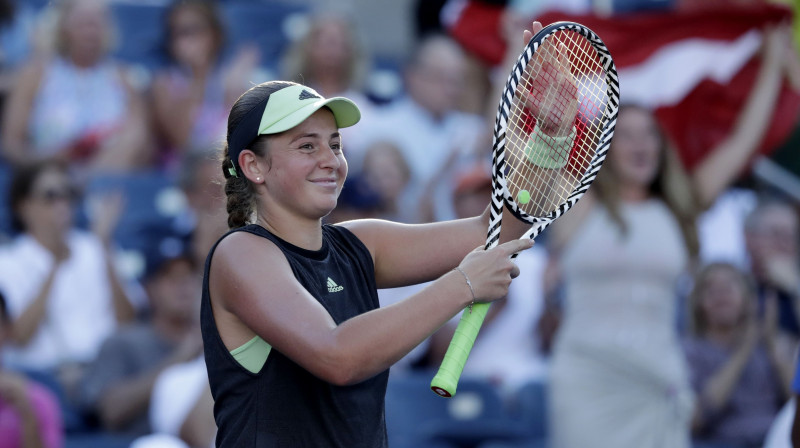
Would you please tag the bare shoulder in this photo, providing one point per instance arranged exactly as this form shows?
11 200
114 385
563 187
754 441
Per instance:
241 261
30 75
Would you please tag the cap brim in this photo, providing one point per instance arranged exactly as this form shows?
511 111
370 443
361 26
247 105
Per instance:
345 112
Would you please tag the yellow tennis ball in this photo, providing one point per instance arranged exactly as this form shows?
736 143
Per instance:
523 197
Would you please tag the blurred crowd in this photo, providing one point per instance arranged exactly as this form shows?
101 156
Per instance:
664 310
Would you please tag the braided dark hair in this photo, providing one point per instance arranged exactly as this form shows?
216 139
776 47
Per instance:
238 189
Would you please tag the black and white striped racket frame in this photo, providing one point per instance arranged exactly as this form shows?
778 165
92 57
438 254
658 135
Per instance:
500 193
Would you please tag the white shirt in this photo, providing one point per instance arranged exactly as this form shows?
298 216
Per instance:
175 393
426 143
80 312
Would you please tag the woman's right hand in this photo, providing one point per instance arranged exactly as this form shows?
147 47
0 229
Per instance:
491 271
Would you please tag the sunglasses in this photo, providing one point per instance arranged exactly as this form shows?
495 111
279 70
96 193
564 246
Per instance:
53 195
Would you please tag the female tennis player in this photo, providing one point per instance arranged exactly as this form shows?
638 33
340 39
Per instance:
297 349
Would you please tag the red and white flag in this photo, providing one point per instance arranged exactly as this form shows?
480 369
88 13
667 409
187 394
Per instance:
694 68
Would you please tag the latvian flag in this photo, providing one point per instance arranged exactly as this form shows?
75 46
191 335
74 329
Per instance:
694 68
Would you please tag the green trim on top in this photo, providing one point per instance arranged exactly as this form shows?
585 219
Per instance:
252 355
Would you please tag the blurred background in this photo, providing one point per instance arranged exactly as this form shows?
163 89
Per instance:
663 312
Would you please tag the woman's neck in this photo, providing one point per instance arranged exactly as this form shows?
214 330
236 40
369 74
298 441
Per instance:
726 336
303 233
329 83
633 193
84 61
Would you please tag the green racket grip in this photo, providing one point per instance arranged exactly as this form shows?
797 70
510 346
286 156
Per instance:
445 382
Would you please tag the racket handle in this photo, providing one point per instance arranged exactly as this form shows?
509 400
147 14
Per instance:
445 382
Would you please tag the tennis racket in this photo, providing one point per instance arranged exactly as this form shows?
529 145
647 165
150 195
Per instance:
553 129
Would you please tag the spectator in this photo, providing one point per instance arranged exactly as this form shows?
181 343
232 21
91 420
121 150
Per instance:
77 105
331 58
118 384
190 98
616 359
386 171
29 413
436 139
771 237
64 295
741 364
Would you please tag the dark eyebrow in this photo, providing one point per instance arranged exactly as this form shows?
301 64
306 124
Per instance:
308 134
314 135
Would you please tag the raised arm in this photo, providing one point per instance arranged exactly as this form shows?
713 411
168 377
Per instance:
726 161
297 325
17 111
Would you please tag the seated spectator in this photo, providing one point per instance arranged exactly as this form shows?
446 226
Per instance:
331 58
29 413
741 364
77 105
64 295
191 97
771 236
386 171
118 384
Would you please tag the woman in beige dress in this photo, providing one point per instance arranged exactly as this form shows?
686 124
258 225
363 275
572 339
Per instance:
619 378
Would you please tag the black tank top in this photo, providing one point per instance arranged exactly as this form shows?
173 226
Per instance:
284 405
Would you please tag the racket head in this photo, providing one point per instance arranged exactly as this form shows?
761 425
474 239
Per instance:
538 179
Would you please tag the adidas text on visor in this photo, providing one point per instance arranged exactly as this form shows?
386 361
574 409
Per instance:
283 110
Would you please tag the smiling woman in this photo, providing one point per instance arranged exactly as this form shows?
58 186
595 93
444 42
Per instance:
296 346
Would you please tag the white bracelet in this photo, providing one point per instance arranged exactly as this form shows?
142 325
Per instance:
469 284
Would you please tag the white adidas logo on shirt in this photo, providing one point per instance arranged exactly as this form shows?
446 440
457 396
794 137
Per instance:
333 287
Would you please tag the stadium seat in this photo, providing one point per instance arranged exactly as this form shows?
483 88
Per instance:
415 416
140 26
532 409
260 23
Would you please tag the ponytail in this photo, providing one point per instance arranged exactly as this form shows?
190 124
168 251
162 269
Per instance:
240 195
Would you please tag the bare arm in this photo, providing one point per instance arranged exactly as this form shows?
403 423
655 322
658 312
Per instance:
128 398
199 428
27 324
718 389
174 114
109 209
246 268
18 108
129 146
123 310
14 391
407 254
726 161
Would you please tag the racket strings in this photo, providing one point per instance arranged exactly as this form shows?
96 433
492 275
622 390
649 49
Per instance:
561 94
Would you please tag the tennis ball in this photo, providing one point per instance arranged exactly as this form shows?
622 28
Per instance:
523 197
